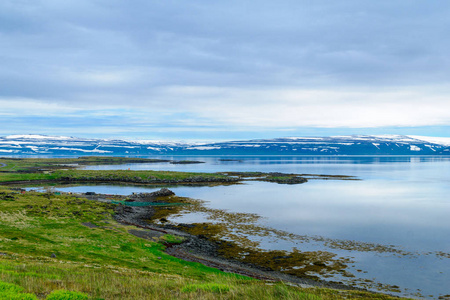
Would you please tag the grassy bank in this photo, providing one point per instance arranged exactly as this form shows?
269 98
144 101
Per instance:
64 170
148 177
35 164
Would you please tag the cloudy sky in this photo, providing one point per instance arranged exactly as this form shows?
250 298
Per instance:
220 70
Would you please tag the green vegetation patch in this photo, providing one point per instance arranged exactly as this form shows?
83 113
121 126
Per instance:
66 295
37 164
65 170
12 292
284 178
123 176
209 287
52 225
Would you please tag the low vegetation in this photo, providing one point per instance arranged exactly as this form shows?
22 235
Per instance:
37 164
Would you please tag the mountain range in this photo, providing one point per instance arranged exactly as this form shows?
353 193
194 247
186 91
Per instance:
42 145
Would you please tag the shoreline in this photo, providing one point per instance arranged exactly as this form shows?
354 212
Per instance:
196 248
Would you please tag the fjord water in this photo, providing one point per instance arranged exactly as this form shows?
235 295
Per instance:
399 201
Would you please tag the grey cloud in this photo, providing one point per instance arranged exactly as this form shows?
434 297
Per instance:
233 43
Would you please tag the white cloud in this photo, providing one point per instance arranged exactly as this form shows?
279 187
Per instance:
33 107
274 108
101 77
277 108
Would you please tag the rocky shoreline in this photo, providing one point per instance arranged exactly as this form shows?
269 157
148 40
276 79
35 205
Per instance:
198 248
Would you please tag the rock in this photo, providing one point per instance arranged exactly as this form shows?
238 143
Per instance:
186 225
283 257
180 162
163 192
150 196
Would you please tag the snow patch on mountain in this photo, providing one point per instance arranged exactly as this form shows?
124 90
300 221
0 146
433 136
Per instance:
434 140
156 142
81 150
203 148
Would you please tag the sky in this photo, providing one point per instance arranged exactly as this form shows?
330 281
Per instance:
222 70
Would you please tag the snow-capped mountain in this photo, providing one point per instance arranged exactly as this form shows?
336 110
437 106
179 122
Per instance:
335 145
61 145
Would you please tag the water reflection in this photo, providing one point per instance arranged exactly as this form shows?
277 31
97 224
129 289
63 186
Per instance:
361 166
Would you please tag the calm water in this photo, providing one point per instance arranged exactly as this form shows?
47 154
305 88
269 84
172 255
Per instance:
400 201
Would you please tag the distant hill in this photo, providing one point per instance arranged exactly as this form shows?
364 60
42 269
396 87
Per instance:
335 145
